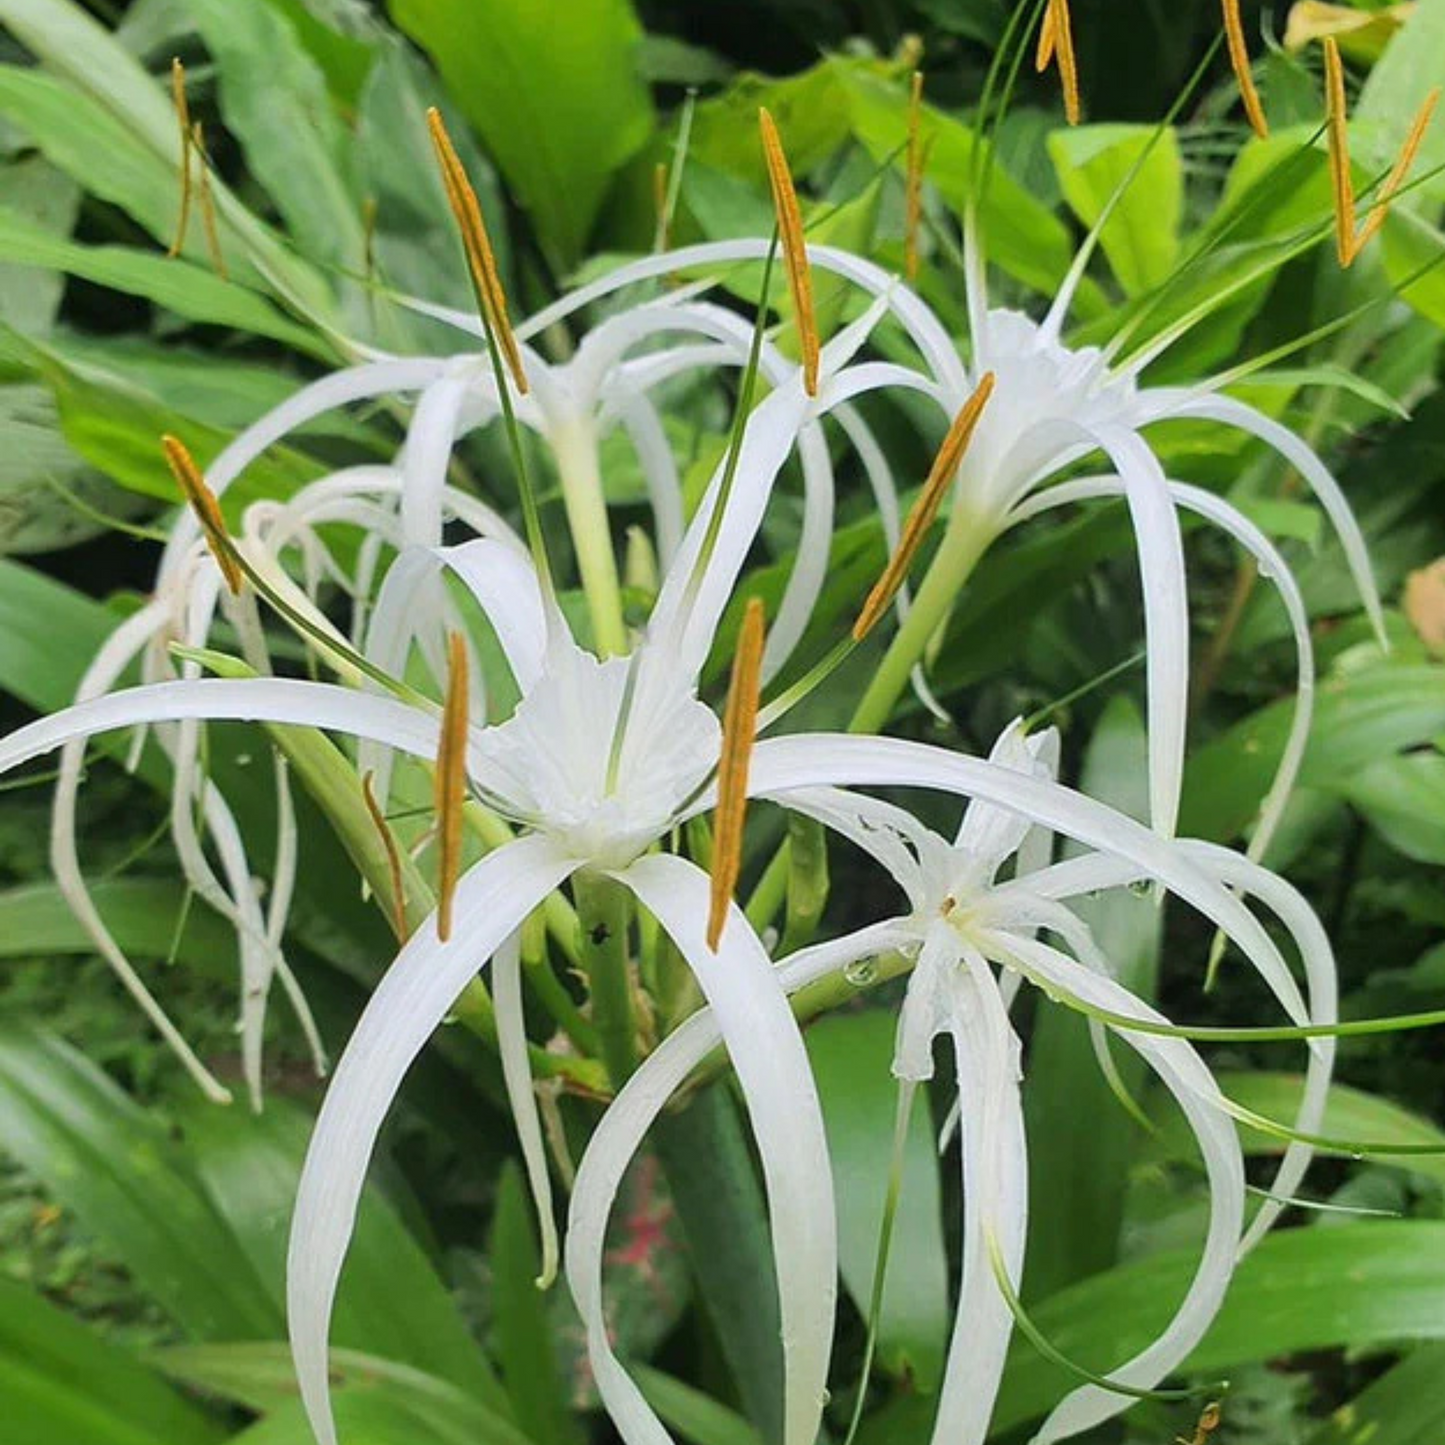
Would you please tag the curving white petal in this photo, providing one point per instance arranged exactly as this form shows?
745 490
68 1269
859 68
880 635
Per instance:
1183 1073
521 1094
116 653
505 585
995 1201
767 1052
1272 566
619 1135
1166 616
492 900
430 438
262 699
357 383
780 765
924 329
1231 412
1322 984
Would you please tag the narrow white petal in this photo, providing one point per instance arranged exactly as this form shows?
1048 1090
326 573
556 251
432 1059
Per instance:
767 1052
1322 984
995 1202
114 656
339 389
1272 566
803 760
1183 1073
1166 616
618 1137
810 561
1231 412
262 699
890 835
924 329
492 900
521 1093
429 441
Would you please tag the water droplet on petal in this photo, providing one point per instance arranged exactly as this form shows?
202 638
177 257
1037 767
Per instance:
861 973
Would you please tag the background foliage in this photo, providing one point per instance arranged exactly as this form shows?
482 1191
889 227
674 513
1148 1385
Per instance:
125 1323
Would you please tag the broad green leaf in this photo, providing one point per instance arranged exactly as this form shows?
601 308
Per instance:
274 100
1404 798
49 498
141 913
366 1390
851 1054
48 634
695 1416
97 149
112 1164
181 286
415 242
78 48
1412 66
1350 1114
340 36
1021 236
46 200
523 1335
719 1200
1405 1406
1351 1285
62 1382
377 1411
391 1302
1141 237
1078 1176
110 125
117 428
553 90
1362 717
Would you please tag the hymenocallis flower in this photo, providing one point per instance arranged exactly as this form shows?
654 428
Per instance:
193 592
971 933
601 760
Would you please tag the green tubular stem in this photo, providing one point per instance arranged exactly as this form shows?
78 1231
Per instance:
575 448
604 914
771 890
964 541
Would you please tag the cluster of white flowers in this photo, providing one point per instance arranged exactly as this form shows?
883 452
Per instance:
611 749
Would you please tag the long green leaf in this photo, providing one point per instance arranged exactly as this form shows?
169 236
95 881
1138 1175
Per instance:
1360 718
851 1054
141 913
1081 1141
1354 1285
522 1323
114 1167
371 1395
553 89
181 286
62 1382
1405 1406
275 101
391 1303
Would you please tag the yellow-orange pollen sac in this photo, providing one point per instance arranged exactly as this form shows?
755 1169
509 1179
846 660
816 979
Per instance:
740 723
795 255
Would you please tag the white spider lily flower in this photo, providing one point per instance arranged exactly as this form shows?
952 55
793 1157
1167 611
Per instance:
189 599
1052 407
601 760
601 770
961 920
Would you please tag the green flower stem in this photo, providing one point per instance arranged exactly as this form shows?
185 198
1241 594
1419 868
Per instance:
604 914
965 539
575 447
